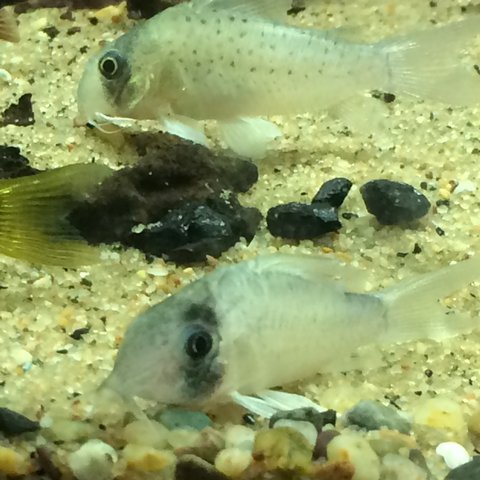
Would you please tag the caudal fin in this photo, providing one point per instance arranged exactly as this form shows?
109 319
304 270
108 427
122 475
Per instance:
429 64
415 312
33 215
8 26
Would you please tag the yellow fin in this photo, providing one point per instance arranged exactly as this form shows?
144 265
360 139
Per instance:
8 26
33 215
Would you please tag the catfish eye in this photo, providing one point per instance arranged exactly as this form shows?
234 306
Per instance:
110 64
198 344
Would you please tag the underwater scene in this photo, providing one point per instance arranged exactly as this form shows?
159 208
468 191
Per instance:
239 239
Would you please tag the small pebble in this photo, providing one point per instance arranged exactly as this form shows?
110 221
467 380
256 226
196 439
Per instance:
190 467
207 446
333 471
323 439
318 419
13 423
12 463
453 453
396 467
442 413
183 438
390 441
240 437
177 418
94 459
372 415
354 448
394 203
301 221
282 448
146 432
233 461
147 459
467 471
333 192
307 429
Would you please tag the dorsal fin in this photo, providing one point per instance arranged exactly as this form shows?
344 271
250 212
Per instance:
272 9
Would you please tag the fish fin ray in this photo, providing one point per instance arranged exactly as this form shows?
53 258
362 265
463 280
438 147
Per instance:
354 110
316 268
413 308
252 404
186 128
423 65
8 26
288 401
33 215
249 137
269 402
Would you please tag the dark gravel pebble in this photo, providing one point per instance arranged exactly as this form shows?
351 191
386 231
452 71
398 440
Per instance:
51 31
190 467
333 192
79 332
372 415
316 418
394 203
323 439
19 114
193 231
467 471
13 423
300 221
177 189
48 467
13 164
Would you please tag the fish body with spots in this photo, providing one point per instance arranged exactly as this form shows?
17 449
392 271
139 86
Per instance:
237 61
270 321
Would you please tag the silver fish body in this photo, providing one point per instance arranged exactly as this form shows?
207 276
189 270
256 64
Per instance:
233 61
268 322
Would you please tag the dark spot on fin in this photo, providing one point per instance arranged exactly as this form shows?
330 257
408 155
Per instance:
34 212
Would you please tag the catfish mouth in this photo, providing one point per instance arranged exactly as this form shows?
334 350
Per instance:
104 123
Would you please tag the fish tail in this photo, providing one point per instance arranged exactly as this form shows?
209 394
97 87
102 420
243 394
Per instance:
428 64
8 26
34 210
414 310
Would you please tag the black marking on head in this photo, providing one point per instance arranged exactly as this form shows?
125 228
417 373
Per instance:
201 313
116 73
203 372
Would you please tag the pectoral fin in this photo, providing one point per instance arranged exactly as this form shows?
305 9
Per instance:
269 402
186 128
249 137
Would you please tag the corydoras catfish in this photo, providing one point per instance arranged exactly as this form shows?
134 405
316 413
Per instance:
276 319
235 61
